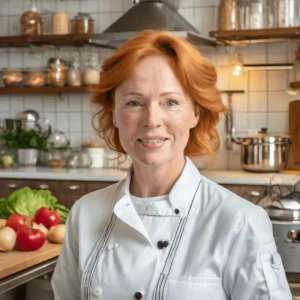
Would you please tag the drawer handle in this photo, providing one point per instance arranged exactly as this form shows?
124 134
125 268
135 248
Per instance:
12 185
43 186
73 187
254 193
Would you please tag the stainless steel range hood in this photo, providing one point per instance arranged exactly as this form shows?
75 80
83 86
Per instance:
149 14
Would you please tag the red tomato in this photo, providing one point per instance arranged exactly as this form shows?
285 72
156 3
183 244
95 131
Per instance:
29 239
47 217
16 222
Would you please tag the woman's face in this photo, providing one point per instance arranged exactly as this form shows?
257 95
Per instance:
153 114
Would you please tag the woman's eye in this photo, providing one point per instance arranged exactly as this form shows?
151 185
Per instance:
133 103
172 103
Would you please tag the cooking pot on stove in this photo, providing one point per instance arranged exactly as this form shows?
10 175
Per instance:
284 212
264 152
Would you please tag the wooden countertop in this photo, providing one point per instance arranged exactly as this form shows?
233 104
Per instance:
14 261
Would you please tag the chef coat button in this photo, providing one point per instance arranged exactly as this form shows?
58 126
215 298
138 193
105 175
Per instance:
97 291
110 246
138 295
176 211
117 245
166 244
160 244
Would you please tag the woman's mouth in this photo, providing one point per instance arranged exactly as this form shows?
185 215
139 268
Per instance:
152 143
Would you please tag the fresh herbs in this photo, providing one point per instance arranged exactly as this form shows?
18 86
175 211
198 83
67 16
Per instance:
24 139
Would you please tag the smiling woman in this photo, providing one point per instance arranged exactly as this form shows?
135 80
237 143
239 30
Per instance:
165 232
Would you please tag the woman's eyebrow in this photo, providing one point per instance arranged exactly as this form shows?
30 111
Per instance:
140 94
133 93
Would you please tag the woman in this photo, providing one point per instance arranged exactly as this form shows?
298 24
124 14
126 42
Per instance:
165 232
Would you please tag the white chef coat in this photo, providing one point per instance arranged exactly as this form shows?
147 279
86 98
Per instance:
223 247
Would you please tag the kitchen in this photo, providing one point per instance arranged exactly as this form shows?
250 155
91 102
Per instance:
263 104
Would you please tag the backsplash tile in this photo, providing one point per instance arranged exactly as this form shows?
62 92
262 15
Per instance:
264 103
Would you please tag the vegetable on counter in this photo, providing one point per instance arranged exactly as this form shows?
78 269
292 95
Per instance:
56 234
27 201
7 239
30 239
17 221
47 217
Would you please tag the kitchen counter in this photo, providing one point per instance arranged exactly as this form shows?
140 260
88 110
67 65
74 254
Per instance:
101 174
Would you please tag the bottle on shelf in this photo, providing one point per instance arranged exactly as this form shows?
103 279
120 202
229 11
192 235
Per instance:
31 20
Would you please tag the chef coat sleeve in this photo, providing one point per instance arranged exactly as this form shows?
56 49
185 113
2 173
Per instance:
65 280
254 269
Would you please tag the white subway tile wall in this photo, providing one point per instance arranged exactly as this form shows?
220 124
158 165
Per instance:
264 104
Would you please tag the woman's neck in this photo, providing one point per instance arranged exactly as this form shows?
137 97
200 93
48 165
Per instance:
149 181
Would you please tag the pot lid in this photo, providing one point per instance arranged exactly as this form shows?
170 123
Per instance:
287 208
263 136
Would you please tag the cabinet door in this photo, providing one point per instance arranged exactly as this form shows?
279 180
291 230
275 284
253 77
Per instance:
68 192
252 193
97 185
7 186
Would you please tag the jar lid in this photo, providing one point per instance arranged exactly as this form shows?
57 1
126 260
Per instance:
265 137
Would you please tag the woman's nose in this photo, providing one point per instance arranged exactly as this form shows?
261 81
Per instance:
152 117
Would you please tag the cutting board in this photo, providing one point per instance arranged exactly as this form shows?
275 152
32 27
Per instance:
294 153
14 261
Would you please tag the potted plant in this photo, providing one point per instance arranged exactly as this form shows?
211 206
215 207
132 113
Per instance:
26 142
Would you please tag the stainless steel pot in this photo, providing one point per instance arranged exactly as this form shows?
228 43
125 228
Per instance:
264 152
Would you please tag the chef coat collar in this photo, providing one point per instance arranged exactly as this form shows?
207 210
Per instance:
183 191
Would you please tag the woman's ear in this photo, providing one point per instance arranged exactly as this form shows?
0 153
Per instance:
194 120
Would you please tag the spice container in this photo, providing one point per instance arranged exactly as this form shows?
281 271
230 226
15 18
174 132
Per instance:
58 72
13 77
82 24
229 15
91 74
257 20
297 66
31 21
35 77
74 73
60 23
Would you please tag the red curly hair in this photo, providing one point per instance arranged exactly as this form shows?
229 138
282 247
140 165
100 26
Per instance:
196 74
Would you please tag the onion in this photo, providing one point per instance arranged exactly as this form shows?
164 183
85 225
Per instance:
7 239
41 227
56 233
2 223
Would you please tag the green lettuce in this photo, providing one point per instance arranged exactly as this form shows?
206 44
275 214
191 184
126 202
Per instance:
27 201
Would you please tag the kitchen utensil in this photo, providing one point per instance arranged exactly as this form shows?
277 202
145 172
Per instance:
284 212
29 119
13 124
57 139
264 152
294 117
79 159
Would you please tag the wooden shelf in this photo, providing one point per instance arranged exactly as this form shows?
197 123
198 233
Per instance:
43 90
233 37
41 40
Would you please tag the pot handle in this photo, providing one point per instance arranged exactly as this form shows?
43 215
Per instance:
237 140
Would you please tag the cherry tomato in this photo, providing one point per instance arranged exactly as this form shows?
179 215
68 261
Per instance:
29 239
17 221
47 217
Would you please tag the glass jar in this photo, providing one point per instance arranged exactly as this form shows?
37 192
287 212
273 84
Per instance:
74 73
257 14
58 73
229 15
13 77
60 23
83 24
31 21
91 74
35 77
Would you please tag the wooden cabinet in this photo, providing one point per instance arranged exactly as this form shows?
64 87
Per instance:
253 193
66 191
